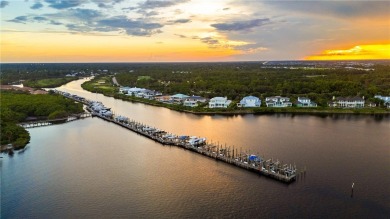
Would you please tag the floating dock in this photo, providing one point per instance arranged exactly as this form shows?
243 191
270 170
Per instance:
275 169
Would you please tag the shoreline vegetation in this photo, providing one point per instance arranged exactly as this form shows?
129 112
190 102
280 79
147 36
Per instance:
104 85
18 106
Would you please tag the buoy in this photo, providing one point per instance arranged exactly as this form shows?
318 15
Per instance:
352 190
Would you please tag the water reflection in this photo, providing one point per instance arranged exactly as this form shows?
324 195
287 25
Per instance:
23 150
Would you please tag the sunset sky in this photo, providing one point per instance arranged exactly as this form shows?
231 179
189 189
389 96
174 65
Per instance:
192 30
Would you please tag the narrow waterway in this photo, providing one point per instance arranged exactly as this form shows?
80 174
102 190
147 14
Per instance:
91 168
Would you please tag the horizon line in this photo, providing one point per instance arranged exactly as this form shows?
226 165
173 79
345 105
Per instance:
167 62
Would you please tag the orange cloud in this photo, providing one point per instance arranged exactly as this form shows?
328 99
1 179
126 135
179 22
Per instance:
361 52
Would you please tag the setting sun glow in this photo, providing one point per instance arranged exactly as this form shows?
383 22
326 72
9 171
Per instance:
381 51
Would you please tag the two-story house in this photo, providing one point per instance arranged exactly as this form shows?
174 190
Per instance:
305 102
179 98
249 101
386 100
219 102
193 101
347 102
278 101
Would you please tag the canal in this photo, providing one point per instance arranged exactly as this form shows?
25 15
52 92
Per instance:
91 168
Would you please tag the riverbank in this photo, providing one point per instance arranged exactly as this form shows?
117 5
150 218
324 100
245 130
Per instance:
290 110
106 87
23 89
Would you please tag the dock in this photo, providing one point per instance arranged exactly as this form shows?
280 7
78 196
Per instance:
40 123
271 168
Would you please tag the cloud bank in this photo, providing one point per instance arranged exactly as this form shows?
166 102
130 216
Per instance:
3 4
241 25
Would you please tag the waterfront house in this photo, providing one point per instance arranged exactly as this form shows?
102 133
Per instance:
139 92
386 100
278 101
219 102
249 101
147 94
370 104
124 90
347 102
193 101
133 91
305 102
179 98
164 99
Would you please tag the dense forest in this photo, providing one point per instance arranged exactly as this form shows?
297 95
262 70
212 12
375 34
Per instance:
16 106
39 75
236 80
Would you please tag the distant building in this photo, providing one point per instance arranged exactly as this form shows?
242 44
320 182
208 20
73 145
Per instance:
249 101
219 102
278 101
305 102
193 101
347 102
386 100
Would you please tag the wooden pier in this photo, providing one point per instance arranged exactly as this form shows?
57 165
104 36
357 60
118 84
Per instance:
271 168
40 123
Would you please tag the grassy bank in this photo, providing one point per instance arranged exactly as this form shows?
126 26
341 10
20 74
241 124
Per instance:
49 82
104 86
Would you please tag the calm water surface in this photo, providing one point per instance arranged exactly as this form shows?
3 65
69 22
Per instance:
93 169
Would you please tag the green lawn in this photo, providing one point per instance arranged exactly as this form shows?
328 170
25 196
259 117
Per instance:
96 85
48 83
143 78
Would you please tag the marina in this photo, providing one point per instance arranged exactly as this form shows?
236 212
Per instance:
271 168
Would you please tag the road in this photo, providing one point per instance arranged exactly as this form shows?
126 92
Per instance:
115 81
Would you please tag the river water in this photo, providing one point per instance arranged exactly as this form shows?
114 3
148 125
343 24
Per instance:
91 168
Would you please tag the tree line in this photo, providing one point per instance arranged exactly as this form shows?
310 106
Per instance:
17 106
